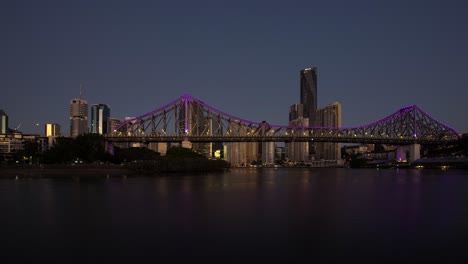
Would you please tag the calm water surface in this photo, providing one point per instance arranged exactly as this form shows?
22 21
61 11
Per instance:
281 215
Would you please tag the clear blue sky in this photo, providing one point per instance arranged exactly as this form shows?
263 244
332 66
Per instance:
242 57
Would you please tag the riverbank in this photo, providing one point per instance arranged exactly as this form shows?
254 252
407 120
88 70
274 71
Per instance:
64 171
137 168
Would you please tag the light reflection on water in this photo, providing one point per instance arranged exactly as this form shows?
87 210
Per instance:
324 214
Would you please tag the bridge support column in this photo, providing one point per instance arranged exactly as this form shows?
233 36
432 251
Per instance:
408 153
186 144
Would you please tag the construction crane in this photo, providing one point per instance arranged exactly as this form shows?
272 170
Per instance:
17 127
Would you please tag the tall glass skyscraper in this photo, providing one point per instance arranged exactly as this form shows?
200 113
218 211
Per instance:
78 117
309 93
3 122
100 114
309 98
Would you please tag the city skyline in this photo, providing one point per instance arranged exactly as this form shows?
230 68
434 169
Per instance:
373 58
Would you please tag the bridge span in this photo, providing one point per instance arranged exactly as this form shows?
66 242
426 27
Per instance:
189 119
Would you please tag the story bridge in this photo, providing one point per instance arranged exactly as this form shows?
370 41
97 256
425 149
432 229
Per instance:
189 119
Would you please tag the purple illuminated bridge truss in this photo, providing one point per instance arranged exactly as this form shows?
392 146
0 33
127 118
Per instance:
187 118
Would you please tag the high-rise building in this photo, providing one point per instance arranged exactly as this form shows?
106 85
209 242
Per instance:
298 151
309 93
196 122
100 114
3 122
329 116
112 123
52 130
78 117
268 153
309 98
241 153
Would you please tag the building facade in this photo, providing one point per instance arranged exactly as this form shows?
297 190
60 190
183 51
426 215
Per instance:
268 153
309 99
297 151
309 93
241 153
12 143
329 116
78 117
52 130
112 123
3 122
100 114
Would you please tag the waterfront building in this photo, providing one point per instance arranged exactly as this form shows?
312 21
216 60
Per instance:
241 153
199 124
52 130
3 122
329 116
298 151
12 143
268 153
100 114
280 153
233 154
112 123
78 117
160 147
196 123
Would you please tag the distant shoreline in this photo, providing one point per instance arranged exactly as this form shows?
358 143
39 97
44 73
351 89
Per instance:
64 171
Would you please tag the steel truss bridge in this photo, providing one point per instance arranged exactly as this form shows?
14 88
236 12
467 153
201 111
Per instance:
189 119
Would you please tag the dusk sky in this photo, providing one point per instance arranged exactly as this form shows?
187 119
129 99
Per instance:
242 57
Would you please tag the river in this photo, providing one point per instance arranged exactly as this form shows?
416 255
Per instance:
283 215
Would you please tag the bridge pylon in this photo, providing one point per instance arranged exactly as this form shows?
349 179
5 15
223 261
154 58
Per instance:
409 153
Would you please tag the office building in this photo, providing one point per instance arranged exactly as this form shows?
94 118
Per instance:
329 116
241 153
12 143
100 114
197 122
298 151
3 122
309 99
52 130
268 153
112 123
78 117
309 93
160 147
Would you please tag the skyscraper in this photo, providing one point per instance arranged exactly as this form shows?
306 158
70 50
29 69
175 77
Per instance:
78 117
52 130
329 116
309 98
309 93
3 122
100 114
